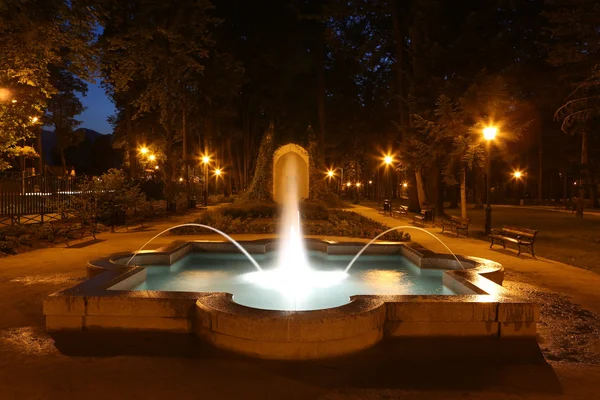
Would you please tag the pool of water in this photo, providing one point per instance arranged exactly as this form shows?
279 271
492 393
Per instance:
325 286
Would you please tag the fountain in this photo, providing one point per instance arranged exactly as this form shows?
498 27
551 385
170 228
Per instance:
293 298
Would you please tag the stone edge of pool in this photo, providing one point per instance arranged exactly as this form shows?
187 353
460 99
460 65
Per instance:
482 307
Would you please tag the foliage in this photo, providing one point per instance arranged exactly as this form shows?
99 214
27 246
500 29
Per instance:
35 37
316 220
63 106
215 199
260 189
101 197
16 237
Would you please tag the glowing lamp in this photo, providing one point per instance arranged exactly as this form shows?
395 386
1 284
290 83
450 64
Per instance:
144 150
517 174
218 172
152 157
180 179
348 184
330 173
206 159
388 159
156 167
489 133
405 185
357 184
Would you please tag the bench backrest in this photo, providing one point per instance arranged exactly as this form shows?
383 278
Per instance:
460 220
514 231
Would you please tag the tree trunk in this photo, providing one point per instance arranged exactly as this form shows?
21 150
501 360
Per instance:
582 182
400 75
131 143
463 191
321 93
40 151
440 187
63 160
420 189
479 188
565 187
540 170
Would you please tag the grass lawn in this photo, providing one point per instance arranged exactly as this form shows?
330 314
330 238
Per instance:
561 236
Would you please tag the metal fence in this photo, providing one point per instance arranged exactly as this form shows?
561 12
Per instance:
33 199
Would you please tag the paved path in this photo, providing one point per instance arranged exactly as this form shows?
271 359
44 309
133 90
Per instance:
586 212
33 367
581 285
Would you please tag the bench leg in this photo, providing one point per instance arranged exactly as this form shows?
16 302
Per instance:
491 242
519 246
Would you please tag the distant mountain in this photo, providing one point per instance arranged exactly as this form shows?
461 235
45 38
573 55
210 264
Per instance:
91 134
49 142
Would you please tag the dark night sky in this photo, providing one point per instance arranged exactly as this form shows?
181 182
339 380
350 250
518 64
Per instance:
98 108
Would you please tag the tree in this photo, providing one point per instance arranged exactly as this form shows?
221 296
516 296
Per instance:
574 47
33 38
63 106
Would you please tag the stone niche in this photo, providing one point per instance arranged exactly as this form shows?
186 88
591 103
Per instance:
290 172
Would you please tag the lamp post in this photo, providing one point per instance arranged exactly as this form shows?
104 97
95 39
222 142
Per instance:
218 172
205 161
489 134
388 160
517 175
330 175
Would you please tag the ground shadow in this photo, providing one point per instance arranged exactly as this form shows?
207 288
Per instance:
118 343
146 228
80 245
512 252
507 366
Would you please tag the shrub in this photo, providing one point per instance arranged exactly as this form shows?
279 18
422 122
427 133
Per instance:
251 210
100 197
310 210
317 221
8 246
215 199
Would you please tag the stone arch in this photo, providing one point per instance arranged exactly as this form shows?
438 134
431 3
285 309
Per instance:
283 176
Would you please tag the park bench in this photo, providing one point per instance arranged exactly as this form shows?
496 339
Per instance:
70 229
399 211
522 237
426 214
456 224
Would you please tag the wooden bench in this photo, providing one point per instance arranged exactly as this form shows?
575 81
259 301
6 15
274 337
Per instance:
522 237
456 224
399 211
425 215
69 229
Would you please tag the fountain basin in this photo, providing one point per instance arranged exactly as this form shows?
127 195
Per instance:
475 305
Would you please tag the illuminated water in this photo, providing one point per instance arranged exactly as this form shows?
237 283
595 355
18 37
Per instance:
325 287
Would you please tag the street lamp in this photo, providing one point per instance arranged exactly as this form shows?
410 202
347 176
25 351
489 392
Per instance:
152 157
387 160
330 174
517 175
5 94
206 161
489 134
